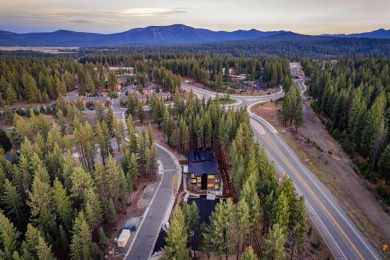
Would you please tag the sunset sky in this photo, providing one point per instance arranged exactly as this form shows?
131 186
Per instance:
104 16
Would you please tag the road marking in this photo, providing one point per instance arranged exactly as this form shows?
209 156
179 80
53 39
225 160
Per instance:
257 126
313 194
270 157
326 197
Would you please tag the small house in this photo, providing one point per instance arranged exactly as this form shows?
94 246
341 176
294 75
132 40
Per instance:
166 96
71 99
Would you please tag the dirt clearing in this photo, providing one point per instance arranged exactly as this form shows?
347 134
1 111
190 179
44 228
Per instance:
325 157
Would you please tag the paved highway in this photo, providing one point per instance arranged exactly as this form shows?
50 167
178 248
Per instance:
341 235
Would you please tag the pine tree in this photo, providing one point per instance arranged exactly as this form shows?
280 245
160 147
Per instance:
91 84
274 244
298 112
299 228
112 80
373 120
82 246
81 182
191 216
116 181
109 119
248 254
119 132
281 212
243 223
42 205
12 201
384 164
103 139
99 112
62 203
140 112
93 209
132 170
8 238
112 211
103 239
44 250
32 236
219 234
249 194
176 239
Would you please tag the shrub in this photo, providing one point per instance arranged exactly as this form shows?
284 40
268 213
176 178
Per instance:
383 193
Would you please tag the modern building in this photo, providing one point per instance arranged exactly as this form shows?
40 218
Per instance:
203 171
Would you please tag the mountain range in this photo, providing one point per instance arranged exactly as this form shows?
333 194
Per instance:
160 35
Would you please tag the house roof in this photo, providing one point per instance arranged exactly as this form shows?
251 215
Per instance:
71 98
201 155
208 167
149 85
165 94
104 99
75 92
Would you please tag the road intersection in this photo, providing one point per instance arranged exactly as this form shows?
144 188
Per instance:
341 235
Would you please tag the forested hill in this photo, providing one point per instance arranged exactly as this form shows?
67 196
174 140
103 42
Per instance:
172 34
353 97
294 47
160 35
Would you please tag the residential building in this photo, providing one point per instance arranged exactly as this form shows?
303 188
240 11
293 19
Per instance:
95 100
166 96
72 99
203 170
237 78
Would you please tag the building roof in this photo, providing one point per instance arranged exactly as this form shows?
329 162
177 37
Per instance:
72 98
75 92
104 99
201 155
208 167
150 85
165 94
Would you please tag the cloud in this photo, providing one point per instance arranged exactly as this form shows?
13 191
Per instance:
148 12
80 21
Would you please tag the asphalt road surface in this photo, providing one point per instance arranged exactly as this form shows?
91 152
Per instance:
146 236
148 231
341 235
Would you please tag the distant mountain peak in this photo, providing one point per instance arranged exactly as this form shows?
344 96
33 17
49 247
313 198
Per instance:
168 34
379 34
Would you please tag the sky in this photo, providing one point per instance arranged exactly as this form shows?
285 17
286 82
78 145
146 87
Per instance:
110 16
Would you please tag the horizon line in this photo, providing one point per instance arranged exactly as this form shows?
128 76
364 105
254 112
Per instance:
280 30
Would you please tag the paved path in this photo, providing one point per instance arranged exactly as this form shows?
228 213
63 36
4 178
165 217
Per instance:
161 204
150 227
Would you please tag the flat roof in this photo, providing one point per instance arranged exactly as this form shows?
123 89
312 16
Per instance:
71 98
207 167
201 155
